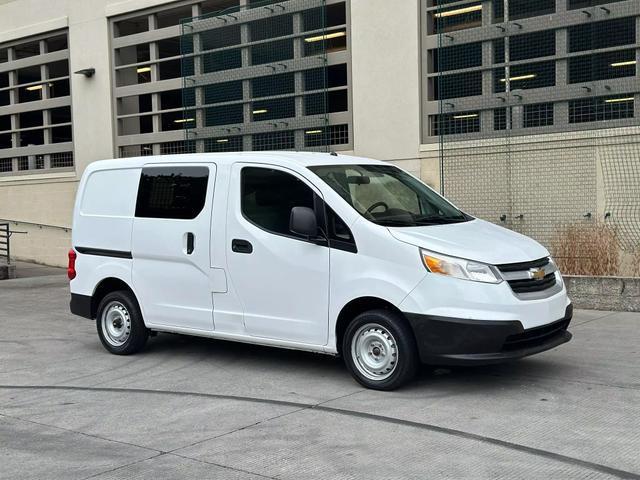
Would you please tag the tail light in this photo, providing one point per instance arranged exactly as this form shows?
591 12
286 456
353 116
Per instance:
71 269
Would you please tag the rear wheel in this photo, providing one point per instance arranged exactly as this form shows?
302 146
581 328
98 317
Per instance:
120 325
379 350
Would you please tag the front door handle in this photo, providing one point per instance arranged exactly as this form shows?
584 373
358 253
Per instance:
241 246
191 243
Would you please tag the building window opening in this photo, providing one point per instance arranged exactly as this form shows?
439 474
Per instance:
539 115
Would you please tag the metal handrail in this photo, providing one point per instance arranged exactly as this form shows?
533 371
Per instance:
16 222
5 234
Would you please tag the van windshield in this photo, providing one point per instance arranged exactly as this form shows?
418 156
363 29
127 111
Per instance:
389 196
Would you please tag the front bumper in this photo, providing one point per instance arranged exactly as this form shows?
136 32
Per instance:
457 341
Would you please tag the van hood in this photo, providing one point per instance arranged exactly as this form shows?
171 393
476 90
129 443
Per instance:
474 240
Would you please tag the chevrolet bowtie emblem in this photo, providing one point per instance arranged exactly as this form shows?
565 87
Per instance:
536 273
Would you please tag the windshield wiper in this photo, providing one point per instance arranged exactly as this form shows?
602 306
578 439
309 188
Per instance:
394 223
440 219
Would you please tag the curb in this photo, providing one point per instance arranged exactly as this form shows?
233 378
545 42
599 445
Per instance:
620 294
42 281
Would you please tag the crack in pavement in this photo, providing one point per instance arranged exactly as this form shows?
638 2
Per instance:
120 467
183 447
352 413
70 430
573 325
158 453
235 469
310 406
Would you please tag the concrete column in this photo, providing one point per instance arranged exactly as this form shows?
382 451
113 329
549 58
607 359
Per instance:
562 72
198 92
486 121
298 52
517 115
246 84
637 42
487 13
487 74
386 87
561 113
89 44
13 99
155 76
44 74
128 105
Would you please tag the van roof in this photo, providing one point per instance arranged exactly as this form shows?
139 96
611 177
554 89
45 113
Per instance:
274 157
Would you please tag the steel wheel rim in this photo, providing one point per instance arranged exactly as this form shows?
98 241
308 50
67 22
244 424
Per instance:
116 324
374 352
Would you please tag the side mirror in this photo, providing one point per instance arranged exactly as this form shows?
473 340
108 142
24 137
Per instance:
303 222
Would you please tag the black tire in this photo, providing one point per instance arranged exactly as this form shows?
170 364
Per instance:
395 335
121 310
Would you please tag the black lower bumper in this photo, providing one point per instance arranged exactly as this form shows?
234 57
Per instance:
81 305
457 341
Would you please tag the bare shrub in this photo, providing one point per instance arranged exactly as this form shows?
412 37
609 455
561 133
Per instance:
588 249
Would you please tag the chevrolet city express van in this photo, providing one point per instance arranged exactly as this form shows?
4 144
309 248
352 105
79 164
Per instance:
310 251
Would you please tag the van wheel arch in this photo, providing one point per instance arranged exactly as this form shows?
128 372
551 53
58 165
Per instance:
360 305
104 288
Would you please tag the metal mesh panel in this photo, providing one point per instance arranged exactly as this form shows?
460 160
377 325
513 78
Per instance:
6 165
62 160
256 77
177 147
619 159
535 110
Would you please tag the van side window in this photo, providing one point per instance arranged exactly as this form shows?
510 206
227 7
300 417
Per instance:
172 192
268 196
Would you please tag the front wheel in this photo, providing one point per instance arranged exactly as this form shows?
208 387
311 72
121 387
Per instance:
120 325
379 350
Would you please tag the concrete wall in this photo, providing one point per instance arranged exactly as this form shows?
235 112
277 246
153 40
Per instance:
39 201
605 293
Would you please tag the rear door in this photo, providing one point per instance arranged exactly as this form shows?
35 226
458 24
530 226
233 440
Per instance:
281 279
170 245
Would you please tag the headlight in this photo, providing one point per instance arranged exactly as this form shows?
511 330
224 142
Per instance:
459 268
557 272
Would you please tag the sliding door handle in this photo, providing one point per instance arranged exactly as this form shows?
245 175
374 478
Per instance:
191 243
241 246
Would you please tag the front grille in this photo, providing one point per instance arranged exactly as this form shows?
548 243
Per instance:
517 275
523 266
531 285
535 336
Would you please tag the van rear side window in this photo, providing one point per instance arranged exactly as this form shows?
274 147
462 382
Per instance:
172 192
102 184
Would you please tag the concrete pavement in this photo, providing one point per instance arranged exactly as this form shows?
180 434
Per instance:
30 270
198 408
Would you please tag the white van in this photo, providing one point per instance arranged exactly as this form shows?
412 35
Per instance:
311 251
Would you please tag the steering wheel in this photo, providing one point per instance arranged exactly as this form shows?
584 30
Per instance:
376 205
